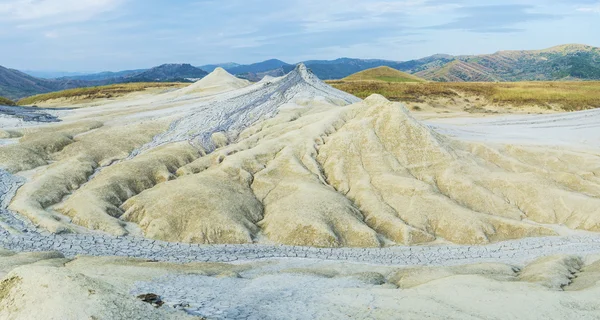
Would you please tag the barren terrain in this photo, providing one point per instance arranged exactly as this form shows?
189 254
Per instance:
357 208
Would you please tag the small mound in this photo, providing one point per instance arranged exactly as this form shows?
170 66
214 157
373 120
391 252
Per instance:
217 81
198 211
267 78
553 272
386 74
415 277
58 293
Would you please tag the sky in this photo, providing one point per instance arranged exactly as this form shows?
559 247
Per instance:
99 35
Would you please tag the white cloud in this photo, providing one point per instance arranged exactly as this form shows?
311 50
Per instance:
54 11
593 9
51 34
340 15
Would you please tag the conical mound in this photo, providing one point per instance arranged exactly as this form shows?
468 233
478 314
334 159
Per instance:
234 112
217 81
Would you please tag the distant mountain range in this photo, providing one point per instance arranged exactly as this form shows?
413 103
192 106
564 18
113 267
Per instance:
211 67
565 62
103 75
168 72
165 72
15 84
53 74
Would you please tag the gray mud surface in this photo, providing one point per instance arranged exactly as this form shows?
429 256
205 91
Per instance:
29 114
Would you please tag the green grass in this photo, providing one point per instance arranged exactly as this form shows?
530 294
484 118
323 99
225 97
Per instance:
6 102
569 96
102 92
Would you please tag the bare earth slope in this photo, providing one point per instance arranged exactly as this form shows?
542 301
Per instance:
229 171
49 286
291 160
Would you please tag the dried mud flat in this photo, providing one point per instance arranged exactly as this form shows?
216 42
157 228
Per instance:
288 199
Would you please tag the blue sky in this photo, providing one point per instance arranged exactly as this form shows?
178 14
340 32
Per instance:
97 35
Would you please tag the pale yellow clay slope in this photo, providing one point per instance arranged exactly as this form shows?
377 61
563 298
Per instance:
149 105
45 292
36 145
317 173
554 272
75 148
474 293
405 183
274 169
360 175
48 286
112 186
73 165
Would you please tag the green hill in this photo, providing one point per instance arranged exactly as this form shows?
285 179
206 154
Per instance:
6 102
385 74
566 62
17 85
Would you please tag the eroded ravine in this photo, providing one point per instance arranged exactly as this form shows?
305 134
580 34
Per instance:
296 167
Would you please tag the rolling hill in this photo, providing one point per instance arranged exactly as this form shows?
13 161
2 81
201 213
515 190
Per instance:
106 75
165 72
386 74
54 74
324 69
258 67
565 62
459 71
211 67
343 67
6 102
16 85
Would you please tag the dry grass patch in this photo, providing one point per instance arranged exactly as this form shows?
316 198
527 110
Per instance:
569 96
101 92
